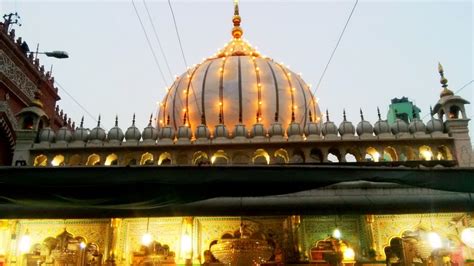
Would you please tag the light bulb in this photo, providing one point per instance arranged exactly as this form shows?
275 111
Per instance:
336 234
467 237
25 243
146 239
82 245
349 254
434 240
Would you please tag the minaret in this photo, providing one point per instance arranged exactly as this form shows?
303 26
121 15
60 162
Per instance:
450 109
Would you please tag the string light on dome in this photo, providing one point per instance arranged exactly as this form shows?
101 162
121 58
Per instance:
184 109
293 89
260 103
220 103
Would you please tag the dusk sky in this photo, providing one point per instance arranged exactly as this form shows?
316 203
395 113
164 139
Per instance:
390 49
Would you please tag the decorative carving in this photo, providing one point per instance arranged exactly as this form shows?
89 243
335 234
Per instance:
16 76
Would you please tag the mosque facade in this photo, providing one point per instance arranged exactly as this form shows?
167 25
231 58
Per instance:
239 167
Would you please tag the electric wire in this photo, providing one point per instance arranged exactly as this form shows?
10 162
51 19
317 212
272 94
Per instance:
184 57
74 99
335 48
333 52
149 44
158 39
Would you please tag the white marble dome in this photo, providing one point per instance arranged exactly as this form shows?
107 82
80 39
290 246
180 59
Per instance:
237 85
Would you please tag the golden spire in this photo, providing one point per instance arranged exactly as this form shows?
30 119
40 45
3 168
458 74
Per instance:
444 82
236 30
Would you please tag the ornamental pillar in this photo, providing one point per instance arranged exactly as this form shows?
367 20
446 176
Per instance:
114 230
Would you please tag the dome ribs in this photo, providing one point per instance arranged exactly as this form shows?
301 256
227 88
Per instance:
186 112
259 91
287 74
164 104
203 90
221 92
305 111
240 90
174 104
275 82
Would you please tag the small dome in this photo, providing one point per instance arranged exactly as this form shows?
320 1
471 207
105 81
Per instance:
240 131
97 133
294 129
46 135
399 126
64 134
346 127
417 126
81 133
221 131
258 130
115 133
166 132
381 127
184 132
150 132
434 125
276 130
364 127
202 132
133 133
328 128
312 129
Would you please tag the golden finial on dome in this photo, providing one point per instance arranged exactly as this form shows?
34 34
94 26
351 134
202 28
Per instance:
236 30
444 82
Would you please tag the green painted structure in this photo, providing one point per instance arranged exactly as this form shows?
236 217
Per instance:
403 109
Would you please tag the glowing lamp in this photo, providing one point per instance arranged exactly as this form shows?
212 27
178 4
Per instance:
376 156
82 245
435 240
25 243
336 234
186 243
467 237
146 239
349 254
427 155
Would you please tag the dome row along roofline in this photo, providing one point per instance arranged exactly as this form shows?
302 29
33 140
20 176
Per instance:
221 134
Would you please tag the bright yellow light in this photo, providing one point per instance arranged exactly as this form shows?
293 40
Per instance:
147 239
186 244
376 156
336 234
260 103
427 155
349 254
259 85
220 103
213 159
25 243
293 89
184 109
82 245
435 240
57 160
257 69
467 236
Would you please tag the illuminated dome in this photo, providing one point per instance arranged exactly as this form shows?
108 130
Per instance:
236 86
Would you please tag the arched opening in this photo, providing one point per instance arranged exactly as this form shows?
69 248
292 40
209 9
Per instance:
260 156
220 157
353 155
298 156
240 157
316 155
334 155
146 159
350 158
407 153
390 154
281 156
454 112
373 155
111 159
444 153
164 159
28 122
93 159
41 160
58 160
425 153
200 158
75 160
